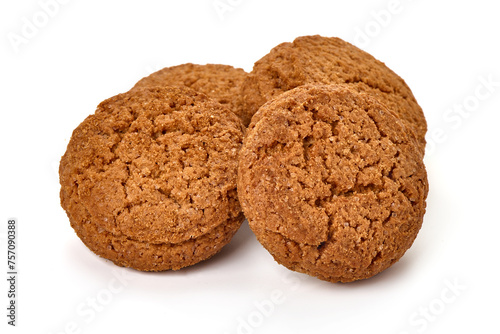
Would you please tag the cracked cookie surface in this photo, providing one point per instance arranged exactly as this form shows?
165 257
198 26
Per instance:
149 180
323 60
332 182
220 82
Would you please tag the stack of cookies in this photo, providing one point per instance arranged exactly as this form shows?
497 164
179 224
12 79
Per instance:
320 147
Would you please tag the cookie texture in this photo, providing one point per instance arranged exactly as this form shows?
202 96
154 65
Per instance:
149 180
220 82
332 182
322 60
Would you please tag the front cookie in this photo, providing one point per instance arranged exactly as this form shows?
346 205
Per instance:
332 183
149 180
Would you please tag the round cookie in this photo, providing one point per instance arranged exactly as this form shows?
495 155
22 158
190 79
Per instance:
220 82
332 182
317 59
149 180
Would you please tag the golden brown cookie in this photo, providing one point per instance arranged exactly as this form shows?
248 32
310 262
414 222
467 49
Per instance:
220 82
332 182
149 180
316 59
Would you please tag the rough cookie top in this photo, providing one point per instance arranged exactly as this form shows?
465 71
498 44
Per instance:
323 60
156 165
332 175
220 82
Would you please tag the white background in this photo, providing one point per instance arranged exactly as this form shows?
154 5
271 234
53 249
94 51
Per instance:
53 76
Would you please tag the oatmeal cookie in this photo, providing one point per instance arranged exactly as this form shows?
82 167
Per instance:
317 59
332 182
149 180
220 82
